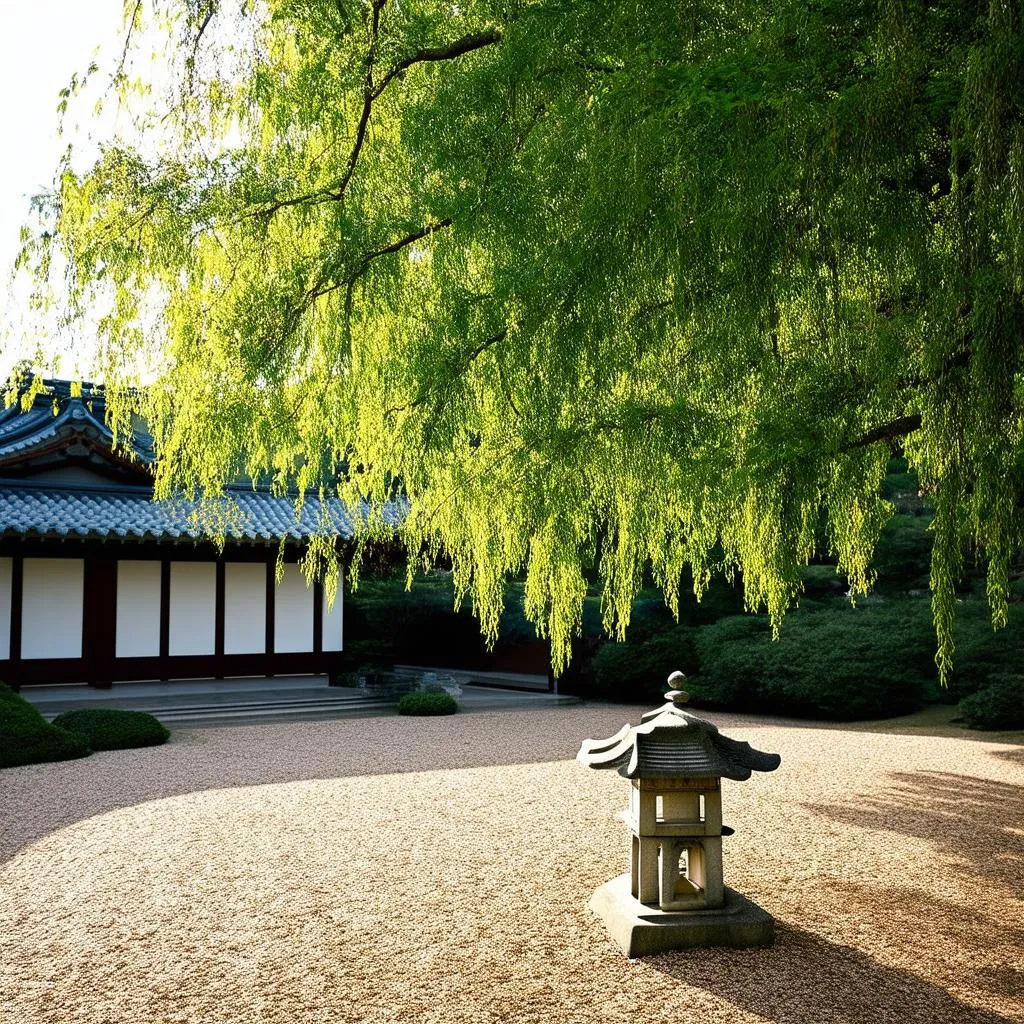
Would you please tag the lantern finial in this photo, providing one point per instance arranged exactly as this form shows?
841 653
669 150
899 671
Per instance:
676 694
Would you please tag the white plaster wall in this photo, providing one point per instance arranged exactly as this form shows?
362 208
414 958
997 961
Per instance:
51 608
245 608
333 618
293 613
5 607
138 609
193 608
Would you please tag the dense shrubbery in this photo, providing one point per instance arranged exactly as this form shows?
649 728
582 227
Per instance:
832 661
419 702
27 738
389 625
998 705
840 663
637 671
903 555
982 653
114 728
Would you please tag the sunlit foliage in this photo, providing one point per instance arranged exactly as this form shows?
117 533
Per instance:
598 286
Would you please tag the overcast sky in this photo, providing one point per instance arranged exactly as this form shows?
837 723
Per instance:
41 43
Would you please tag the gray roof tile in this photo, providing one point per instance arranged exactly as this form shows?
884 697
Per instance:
130 513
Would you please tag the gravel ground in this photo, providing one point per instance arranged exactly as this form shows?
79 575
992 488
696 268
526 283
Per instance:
438 870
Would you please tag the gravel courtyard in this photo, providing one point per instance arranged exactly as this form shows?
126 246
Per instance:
438 870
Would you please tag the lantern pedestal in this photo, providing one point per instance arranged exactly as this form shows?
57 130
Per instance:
639 929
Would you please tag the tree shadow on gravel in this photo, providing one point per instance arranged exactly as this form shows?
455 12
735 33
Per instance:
804 979
38 800
1015 755
974 820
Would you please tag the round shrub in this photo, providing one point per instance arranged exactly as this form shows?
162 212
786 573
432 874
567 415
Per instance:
419 703
27 738
1000 705
113 728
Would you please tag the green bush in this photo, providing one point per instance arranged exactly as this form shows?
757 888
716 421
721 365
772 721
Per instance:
1000 705
637 671
822 582
27 738
982 652
113 728
903 555
839 663
420 703
393 626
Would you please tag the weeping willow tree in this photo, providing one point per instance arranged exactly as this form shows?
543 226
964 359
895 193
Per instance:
594 287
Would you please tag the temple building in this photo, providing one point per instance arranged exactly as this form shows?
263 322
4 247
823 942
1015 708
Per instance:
100 584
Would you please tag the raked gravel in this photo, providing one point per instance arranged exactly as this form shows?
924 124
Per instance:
438 870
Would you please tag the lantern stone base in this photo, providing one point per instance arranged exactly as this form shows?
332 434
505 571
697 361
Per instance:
640 930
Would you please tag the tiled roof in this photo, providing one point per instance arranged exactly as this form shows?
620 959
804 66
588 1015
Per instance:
130 513
672 743
21 431
109 508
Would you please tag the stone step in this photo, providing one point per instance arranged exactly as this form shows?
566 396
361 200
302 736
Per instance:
226 706
223 712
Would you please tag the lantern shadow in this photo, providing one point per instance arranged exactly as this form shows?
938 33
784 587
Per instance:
805 979
973 820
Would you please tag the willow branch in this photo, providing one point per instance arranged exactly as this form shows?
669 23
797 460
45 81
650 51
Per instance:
891 431
467 44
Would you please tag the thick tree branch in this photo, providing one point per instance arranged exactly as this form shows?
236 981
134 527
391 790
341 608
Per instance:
468 43
401 243
891 431
368 97
323 288
467 361
132 22
371 92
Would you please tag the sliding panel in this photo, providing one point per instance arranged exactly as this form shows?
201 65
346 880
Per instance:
6 571
245 608
332 618
51 608
193 608
293 613
138 609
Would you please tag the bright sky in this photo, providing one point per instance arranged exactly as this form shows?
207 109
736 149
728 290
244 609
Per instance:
42 42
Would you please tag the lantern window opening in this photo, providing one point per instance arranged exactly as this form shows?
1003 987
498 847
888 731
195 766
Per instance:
680 809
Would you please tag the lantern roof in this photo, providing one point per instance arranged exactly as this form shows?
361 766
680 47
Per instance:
673 743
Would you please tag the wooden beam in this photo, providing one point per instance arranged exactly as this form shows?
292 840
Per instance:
318 617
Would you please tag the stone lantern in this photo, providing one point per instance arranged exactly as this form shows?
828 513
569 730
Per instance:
675 896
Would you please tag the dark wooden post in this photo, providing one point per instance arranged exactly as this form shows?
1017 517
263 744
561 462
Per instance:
218 629
271 583
17 578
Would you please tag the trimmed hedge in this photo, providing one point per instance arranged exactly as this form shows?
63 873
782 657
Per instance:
420 703
27 738
840 663
114 728
1000 705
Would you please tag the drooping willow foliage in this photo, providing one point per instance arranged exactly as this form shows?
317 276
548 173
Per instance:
594 286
